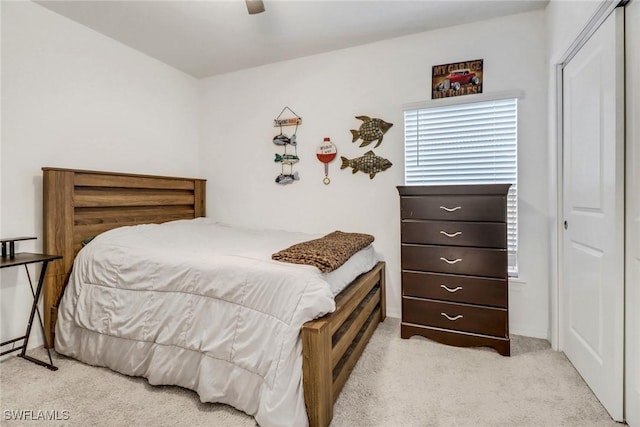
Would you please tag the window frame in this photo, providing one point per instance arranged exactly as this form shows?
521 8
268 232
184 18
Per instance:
513 268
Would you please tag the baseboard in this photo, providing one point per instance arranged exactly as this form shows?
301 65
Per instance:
515 329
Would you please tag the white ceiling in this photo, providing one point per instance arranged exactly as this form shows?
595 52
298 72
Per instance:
205 38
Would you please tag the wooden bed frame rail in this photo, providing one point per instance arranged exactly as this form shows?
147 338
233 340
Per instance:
79 204
332 345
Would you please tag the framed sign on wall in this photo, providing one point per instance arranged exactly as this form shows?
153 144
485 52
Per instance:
456 79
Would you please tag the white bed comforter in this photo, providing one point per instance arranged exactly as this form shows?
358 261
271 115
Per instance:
188 303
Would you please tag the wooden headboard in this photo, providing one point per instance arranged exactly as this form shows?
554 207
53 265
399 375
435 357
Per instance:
78 204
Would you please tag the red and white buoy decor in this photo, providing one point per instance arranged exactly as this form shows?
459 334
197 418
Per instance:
326 152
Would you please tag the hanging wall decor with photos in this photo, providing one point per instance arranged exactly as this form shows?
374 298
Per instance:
289 157
456 79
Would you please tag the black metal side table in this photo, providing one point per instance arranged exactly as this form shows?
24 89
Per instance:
13 259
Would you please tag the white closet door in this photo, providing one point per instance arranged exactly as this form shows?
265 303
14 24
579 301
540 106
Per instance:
592 297
632 343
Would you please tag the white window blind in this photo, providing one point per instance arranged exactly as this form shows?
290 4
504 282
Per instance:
472 143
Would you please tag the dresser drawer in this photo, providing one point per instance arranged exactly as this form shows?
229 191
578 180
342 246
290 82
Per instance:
452 233
460 317
449 287
455 260
454 208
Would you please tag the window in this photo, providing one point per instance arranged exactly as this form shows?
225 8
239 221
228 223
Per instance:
471 143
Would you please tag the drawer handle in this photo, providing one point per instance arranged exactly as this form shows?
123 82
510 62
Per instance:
459 316
451 290
450 209
451 262
457 233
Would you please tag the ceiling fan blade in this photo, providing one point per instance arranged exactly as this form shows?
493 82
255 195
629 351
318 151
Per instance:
254 6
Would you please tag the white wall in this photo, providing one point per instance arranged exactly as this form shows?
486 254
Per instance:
328 90
565 21
74 98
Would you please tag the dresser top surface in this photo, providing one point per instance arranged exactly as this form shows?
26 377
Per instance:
443 190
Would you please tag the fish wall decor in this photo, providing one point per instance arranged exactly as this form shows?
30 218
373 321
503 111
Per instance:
368 163
370 130
287 158
283 139
287 178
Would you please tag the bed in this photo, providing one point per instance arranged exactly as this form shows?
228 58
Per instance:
81 204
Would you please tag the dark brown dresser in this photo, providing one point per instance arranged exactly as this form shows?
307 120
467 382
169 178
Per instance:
454 264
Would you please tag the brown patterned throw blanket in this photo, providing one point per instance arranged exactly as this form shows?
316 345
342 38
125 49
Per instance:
327 253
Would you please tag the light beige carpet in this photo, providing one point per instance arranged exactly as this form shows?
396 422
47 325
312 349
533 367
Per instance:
396 383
